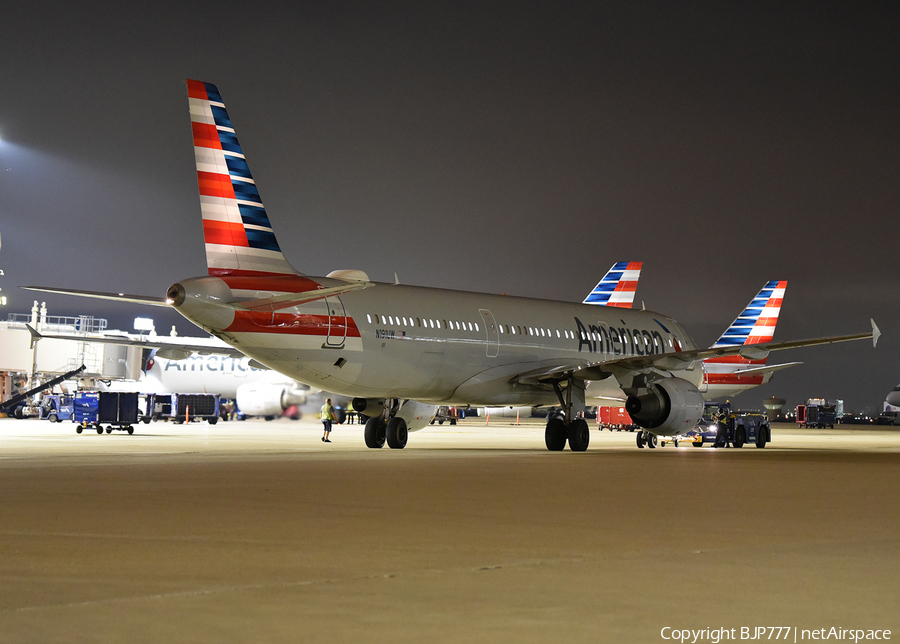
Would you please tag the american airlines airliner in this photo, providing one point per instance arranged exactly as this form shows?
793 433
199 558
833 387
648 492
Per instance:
400 351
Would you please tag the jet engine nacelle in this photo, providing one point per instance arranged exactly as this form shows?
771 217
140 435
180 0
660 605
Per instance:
261 399
416 414
368 406
668 406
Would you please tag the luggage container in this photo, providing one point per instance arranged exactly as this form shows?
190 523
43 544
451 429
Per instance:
94 408
181 408
614 418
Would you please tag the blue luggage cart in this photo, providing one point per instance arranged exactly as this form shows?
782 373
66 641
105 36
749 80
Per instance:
94 408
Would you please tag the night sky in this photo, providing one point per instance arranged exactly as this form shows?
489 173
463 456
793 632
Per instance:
517 148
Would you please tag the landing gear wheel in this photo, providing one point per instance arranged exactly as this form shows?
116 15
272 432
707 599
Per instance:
652 440
641 440
555 435
375 432
397 433
579 435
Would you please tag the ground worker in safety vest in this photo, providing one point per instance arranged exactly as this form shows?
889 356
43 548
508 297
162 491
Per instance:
327 415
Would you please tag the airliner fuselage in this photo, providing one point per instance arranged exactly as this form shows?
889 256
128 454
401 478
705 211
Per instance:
432 345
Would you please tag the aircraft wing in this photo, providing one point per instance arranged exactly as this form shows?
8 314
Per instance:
173 348
677 361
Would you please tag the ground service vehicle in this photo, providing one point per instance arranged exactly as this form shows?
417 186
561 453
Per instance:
721 426
817 414
615 418
443 414
93 408
182 408
57 407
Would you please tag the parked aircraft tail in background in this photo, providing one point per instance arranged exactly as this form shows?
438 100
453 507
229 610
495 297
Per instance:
617 287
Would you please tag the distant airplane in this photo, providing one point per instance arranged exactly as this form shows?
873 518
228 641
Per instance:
400 351
730 375
892 402
201 365
257 391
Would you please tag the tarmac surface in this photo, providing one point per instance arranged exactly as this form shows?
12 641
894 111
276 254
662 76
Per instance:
259 532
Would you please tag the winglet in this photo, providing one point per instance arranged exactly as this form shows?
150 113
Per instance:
35 336
876 333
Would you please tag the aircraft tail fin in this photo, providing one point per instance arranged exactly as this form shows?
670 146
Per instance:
756 323
238 235
617 287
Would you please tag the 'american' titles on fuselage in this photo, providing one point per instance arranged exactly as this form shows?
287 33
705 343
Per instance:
603 338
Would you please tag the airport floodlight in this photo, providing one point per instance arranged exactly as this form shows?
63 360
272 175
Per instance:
144 324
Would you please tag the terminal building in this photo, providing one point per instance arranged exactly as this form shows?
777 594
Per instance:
25 364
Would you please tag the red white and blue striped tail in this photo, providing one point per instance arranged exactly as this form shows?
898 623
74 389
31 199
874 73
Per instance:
617 287
239 238
756 323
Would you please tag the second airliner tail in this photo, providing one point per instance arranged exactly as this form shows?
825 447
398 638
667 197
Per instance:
755 325
617 287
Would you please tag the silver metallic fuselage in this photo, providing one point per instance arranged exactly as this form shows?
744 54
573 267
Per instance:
432 345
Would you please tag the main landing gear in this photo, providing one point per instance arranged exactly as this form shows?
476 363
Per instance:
561 427
393 431
645 438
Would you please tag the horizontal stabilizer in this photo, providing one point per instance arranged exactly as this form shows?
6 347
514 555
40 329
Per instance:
749 371
287 300
173 348
117 297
